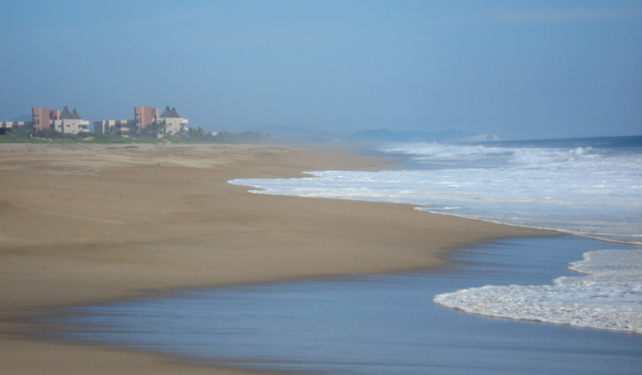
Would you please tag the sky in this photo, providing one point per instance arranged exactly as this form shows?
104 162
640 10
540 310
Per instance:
518 69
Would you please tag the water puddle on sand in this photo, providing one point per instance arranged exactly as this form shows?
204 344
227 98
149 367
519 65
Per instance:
370 324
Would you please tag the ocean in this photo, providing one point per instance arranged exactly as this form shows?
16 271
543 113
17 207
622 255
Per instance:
413 323
590 187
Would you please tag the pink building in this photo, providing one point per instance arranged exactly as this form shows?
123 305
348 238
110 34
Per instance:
144 116
42 117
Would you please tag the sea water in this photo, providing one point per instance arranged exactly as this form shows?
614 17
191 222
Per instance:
588 187
369 324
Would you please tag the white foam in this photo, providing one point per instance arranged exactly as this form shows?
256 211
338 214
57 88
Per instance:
581 190
610 297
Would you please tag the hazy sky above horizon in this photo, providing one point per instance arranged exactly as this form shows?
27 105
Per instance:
519 69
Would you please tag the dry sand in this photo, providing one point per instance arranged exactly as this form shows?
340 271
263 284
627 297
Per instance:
87 223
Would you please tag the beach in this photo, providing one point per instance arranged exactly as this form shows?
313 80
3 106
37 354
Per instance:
81 224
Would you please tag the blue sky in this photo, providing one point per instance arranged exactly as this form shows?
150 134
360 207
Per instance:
520 69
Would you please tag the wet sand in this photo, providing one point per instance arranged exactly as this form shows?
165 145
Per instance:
81 224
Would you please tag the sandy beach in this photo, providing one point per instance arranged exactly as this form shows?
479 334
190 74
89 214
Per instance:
81 224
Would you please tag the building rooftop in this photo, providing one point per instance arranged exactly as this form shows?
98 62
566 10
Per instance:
69 115
75 115
66 114
170 112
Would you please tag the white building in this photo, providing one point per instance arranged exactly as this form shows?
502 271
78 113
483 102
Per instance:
118 127
7 126
70 123
171 123
44 119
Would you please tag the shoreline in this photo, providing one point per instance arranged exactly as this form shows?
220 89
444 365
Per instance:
84 224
